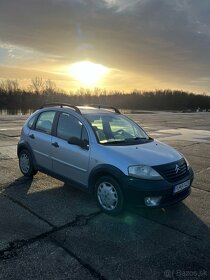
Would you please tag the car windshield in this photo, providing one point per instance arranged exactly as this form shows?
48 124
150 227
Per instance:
116 130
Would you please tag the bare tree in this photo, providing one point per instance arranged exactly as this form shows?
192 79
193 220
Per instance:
37 85
9 86
50 87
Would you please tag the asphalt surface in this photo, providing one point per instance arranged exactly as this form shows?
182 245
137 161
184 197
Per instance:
49 230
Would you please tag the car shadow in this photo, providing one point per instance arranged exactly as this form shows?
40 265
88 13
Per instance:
142 241
51 199
23 181
189 220
60 203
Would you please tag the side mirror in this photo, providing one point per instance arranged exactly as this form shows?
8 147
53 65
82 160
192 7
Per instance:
78 142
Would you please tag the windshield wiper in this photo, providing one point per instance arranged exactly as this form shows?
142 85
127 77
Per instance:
126 140
136 138
113 142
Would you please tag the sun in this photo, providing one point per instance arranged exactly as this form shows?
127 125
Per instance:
87 73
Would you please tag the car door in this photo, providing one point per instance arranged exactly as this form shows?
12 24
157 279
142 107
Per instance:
70 161
40 139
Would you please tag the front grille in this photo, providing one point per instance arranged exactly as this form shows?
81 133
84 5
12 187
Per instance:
172 172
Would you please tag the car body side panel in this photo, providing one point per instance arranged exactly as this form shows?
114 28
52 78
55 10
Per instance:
70 161
41 147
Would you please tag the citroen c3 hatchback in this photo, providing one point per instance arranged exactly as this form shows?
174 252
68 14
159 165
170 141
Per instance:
99 150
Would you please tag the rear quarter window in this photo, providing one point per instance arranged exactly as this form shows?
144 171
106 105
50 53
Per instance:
31 122
45 122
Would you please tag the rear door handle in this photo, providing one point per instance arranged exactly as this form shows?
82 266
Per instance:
55 144
32 136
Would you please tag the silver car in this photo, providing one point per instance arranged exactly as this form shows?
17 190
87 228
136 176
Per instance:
99 150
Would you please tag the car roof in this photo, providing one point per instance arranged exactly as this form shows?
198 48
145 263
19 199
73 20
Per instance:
90 110
82 110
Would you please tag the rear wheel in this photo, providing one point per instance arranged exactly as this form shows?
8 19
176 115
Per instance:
109 195
26 163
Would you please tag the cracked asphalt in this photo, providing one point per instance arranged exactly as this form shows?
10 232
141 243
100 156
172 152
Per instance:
50 230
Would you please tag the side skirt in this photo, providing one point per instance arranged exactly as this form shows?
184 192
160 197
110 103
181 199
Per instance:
64 179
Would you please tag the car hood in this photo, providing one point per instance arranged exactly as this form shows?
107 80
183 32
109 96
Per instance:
152 154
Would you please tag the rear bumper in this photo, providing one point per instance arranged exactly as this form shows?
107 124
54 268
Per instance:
136 190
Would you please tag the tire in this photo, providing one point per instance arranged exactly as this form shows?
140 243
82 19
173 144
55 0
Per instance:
26 164
109 195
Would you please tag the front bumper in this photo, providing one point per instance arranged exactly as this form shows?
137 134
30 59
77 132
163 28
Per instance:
135 190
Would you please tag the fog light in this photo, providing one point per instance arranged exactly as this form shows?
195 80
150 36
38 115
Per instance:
152 200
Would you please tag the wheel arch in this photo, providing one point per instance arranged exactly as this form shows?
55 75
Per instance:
104 170
25 146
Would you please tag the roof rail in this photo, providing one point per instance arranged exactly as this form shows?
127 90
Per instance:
61 105
99 106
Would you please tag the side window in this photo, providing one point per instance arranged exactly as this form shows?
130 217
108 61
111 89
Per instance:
69 126
45 122
31 121
84 136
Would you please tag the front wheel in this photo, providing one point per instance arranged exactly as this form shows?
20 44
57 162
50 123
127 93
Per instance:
109 195
26 164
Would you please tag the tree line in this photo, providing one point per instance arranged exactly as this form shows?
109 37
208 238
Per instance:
41 91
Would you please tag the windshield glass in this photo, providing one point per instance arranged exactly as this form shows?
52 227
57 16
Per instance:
116 129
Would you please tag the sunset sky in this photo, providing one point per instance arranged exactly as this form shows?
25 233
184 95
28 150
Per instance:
113 44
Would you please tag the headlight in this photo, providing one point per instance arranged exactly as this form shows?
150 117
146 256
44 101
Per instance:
187 162
144 172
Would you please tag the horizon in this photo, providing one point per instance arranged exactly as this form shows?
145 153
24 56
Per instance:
41 86
114 45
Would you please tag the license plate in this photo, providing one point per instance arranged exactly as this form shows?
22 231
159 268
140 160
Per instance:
182 186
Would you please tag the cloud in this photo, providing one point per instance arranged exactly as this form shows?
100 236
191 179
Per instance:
124 5
167 40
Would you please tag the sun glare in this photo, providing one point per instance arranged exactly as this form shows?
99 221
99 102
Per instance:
88 73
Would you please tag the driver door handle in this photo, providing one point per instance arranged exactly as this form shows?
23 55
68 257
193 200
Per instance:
32 136
55 144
